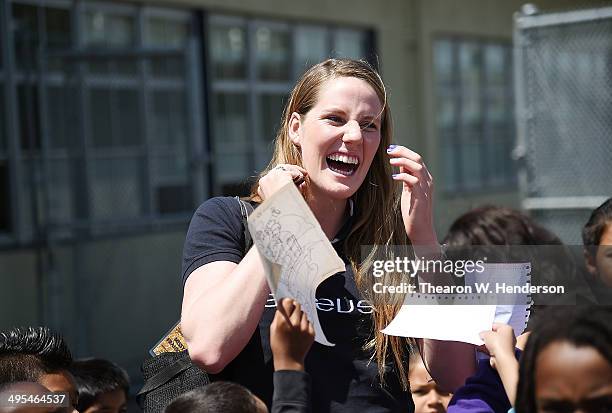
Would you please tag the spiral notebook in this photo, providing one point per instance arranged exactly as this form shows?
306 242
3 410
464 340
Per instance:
461 317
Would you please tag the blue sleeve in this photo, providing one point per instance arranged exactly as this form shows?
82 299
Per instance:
215 234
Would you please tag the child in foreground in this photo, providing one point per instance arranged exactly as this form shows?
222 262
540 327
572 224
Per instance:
567 363
102 385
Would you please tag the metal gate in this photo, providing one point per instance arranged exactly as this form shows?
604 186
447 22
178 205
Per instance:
563 82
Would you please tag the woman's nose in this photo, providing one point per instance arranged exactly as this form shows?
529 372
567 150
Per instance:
352 131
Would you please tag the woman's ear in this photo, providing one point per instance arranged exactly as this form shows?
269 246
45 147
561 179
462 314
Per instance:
295 129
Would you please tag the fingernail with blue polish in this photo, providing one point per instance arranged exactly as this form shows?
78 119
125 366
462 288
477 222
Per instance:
391 148
394 176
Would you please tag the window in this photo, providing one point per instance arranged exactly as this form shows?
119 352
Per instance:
104 116
475 113
253 66
46 28
138 113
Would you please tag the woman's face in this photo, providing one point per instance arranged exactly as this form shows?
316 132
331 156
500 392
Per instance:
569 379
339 136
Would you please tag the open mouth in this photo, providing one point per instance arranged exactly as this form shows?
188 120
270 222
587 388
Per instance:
343 164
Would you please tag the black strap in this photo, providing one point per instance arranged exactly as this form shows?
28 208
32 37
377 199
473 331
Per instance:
245 210
165 375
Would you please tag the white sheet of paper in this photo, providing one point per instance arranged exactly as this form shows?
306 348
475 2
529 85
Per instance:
464 322
442 322
517 314
296 253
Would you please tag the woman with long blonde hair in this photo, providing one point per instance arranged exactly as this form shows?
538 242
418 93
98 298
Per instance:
335 143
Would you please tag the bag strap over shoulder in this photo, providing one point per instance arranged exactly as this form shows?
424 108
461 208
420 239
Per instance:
245 210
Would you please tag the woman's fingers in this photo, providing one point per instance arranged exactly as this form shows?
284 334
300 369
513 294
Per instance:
296 172
408 179
398 151
412 168
409 164
279 176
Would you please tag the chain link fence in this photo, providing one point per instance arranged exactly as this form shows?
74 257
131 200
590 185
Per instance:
563 72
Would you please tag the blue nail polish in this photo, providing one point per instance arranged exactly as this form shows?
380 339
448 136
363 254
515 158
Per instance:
394 175
391 148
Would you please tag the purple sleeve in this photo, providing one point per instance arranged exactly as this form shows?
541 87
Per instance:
482 393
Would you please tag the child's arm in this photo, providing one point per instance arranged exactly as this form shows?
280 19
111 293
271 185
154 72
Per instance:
500 344
291 336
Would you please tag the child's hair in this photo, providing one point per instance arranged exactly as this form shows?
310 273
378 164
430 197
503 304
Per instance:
217 397
490 226
94 377
496 225
595 226
26 353
581 326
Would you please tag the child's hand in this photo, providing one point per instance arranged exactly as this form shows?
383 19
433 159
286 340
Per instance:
500 343
291 335
521 341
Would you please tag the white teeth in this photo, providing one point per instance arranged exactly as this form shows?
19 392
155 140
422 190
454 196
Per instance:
344 158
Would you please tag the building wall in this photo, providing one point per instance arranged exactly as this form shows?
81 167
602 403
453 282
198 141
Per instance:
110 298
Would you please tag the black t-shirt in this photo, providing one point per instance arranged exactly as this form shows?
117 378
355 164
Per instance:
344 379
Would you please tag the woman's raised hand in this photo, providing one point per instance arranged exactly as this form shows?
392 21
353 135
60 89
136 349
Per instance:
417 195
278 177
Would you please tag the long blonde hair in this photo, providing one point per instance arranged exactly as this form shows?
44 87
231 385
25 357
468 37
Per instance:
376 221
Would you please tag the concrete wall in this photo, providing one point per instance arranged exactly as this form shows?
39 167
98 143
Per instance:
18 288
110 298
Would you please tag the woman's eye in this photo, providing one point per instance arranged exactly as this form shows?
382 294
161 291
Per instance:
369 126
334 118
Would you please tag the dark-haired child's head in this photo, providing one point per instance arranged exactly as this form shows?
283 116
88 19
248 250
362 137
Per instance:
500 234
497 225
36 354
102 386
597 241
567 363
218 397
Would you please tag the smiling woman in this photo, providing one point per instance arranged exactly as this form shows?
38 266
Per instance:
335 145
338 137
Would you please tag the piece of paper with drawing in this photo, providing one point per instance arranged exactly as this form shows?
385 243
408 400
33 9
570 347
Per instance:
297 255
